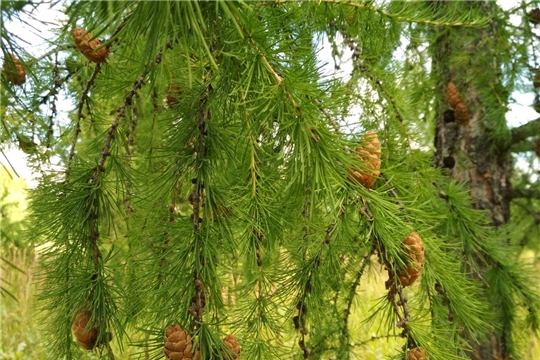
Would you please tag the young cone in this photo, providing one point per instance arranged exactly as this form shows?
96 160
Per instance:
369 152
461 114
173 91
84 42
534 16
231 342
415 250
452 95
85 338
417 353
14 70
178 344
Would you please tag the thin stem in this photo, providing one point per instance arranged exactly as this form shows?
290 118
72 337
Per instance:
299 320
352 293
197 197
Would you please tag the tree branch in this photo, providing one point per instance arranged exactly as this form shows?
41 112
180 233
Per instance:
352 293
532 128
526 193
523 146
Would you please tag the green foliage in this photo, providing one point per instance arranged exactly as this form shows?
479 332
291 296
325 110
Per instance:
204 181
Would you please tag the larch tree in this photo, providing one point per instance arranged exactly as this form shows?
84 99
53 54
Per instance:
211 196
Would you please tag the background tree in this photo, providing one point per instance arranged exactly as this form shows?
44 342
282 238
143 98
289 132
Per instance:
211 177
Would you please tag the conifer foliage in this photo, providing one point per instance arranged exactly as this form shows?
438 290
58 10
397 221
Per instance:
215 197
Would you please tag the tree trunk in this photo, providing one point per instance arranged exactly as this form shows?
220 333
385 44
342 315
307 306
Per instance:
472 153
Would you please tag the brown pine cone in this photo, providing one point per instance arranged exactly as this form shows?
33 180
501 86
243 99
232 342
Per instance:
231 342
178 344
417 353
534 16
537 147
14 70
173 92
369 152
461 114
452 95
415 251
85 338
84 42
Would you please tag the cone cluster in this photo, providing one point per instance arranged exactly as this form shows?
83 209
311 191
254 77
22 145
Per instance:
231 342
417 353
14 70
455 101
84 42
178 344
86 338
369 152
415 251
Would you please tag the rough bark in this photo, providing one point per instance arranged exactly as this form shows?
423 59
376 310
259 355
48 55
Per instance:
468 152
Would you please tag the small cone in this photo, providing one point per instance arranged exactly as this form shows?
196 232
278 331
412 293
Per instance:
85 338
415 251
417 353
534 16
452 95
461 114
369 152
84 42
178 344
173 92
231 342
14 70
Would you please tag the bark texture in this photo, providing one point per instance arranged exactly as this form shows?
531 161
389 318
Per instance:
469 152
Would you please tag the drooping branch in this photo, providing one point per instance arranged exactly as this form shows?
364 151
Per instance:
121 111
526 193
524 146
279 81
299 320
198 306
84 97
54 93
345 327
362 67
529 129
80 115
50 52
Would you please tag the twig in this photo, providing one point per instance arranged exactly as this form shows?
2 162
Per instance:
526 193
360 65
80 114
332 120
526 130
120 112
299 320
50 52
197 198
54 92
84 96
352 293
